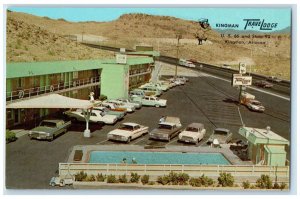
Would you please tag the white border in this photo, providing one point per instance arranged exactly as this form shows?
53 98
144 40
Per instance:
165 3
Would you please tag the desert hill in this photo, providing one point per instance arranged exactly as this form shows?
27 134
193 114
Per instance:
269 56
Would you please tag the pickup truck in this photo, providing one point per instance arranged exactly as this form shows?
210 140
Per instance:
222 135
49 129
166 129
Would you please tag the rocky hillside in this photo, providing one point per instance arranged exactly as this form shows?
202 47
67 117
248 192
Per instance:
269 58
29 42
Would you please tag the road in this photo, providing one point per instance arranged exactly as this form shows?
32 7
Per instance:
31 163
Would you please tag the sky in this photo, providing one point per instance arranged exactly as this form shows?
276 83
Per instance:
281 16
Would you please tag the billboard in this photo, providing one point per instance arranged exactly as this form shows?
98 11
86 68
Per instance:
239 80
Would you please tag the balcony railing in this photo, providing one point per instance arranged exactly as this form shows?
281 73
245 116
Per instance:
54 88
133 73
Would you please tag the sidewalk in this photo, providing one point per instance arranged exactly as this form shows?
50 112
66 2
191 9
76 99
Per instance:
20 132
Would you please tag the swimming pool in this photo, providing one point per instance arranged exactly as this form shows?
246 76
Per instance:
157 157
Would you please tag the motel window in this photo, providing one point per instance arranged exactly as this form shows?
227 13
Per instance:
20 82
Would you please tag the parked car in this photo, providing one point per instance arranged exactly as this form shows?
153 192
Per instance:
136 104
49 129
96 116
127 132
157 85
151 90
129 108
193 133
185 79
137 93
167 83
120 115
255 105
58 181
263 84
177 81
113 107
221 134
274 79
166 130
152 101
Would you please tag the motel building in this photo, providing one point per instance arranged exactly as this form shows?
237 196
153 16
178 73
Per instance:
265 147
75 79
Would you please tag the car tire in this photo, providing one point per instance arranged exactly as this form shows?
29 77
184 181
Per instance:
52 184
157 105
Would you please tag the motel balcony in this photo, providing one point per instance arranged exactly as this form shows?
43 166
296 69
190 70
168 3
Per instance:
61 87
133 73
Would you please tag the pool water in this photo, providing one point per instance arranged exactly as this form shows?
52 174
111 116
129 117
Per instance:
157 157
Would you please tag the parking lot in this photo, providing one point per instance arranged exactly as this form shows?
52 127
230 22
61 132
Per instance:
31 163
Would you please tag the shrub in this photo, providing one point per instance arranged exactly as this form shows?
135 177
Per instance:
226 179
276 186
283 185
183 178
163 180
135 178
81 176
145 179
100 177
201 181
246 185
10 136
252 186
102 97
173 177
123 179
91 178
111 179
151 183
264 182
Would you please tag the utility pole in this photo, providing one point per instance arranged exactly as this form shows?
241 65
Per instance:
178 36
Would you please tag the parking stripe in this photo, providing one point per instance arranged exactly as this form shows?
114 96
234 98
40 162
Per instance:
102 141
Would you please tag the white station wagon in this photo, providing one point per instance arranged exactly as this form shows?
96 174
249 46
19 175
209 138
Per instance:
193 133
127 132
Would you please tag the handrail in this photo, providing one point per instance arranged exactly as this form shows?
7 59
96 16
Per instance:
30 92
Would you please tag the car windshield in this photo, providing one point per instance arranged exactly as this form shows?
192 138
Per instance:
220 132
48 124
126 127
191 129
164 126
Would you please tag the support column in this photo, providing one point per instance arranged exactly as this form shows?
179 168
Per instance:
87 114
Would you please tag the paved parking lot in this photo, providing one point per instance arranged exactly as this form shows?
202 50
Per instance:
30 163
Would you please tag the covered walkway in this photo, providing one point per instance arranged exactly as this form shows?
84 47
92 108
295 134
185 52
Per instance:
57 101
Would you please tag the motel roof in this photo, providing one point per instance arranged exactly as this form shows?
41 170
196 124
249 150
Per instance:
27 69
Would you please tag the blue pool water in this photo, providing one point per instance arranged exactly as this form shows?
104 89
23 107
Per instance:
157 157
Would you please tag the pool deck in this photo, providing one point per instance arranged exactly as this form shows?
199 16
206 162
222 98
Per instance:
86 149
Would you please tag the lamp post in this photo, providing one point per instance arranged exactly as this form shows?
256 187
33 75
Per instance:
178 36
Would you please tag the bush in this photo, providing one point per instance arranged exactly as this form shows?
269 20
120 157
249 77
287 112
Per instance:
145 179
283 185
100 177
226 179
81 176
276 186
246 185
264 182
135 178
123 179
10 136
112 179
201 181
151 183
164 180
173 177
102 97
91 178
183 178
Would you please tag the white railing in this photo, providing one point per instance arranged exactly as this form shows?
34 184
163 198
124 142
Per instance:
36 91
155 170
